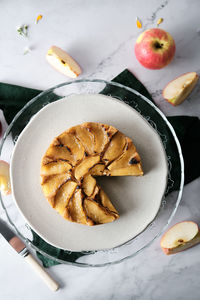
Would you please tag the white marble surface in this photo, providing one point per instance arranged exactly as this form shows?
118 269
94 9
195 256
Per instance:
101 36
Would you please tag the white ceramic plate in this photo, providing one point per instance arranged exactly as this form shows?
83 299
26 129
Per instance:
136 198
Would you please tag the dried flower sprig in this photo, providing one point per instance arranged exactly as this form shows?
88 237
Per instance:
39 17
26 50
138 23
159 21
23 30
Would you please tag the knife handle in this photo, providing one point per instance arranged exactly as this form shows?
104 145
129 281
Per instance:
51 283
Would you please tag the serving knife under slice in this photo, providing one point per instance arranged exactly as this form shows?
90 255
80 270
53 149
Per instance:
21 249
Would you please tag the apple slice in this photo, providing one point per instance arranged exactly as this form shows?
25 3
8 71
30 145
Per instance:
97 212
177 90
101 138
97 170
85 137
63 62
180 237
72 144
89 184
135 170
63 196
84 166
107 204
76 211
55 167
115 148
5 187
51 185
126 164
60 153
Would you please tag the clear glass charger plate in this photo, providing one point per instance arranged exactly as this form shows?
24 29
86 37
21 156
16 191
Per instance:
173 190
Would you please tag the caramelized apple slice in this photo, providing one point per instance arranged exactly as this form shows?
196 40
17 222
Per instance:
51 184
129 160
72 144
5 186
97 213
57 167
107 203
60 152
85 137
110 130
101 138
89 184
135 170
115 148
63 196
95 193
83 167
76 210
97 170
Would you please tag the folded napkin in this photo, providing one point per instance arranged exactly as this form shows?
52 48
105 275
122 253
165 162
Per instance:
13 98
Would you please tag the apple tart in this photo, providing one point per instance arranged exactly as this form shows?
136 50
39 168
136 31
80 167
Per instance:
74 159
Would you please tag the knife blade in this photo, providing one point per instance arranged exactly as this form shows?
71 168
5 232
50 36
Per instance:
19 246
12 239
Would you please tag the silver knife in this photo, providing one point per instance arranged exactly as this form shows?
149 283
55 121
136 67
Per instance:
21 249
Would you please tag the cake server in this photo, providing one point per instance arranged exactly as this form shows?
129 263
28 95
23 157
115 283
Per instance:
21 249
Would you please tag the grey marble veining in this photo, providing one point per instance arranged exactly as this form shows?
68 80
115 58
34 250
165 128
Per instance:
101 36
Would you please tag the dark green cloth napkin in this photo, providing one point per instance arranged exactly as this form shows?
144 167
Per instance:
13 98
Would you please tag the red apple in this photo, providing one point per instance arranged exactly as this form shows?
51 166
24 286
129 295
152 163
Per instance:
155 48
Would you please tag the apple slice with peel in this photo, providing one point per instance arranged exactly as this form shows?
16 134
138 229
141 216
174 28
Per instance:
5 186
180 237
177 90
63 62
